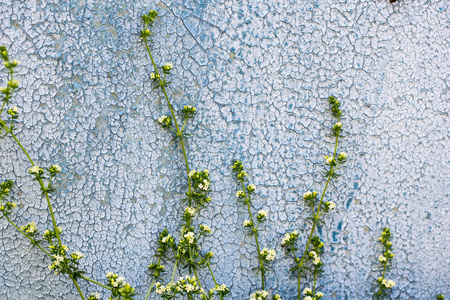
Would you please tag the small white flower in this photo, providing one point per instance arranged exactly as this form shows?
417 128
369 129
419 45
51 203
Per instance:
328 159
192 173
166 239
247 223
34 170
161 119
152 76
109 274
262 213
206 228
189 211
331 205
15 109
390 284
240 194
57 168
319 294
381 259
189 237
286 239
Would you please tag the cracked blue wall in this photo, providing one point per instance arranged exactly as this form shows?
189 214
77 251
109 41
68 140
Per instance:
258 72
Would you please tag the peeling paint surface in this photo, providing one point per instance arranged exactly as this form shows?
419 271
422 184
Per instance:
259 73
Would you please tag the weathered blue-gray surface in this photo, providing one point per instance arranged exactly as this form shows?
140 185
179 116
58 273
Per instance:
259 73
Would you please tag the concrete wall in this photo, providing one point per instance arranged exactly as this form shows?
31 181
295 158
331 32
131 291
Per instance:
259 73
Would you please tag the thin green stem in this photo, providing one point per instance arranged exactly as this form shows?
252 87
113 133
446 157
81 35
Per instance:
315 280
3 106
172 113
41 183
381 286
317 214
175 267
255 232
153 282
212 274
95 282
31 240
214 278
78 288
179 134
9 95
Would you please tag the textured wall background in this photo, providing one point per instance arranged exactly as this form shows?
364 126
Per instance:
259 73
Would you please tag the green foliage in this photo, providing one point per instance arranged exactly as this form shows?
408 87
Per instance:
386 262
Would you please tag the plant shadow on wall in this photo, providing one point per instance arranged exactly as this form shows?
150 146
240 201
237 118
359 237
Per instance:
183 251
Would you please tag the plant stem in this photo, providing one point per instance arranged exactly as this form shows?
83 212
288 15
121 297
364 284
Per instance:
78 288
316 215
95 282
179 134
315 280
174 269
31 240
214 278
153 282
9 95
255 232
381 287
41 183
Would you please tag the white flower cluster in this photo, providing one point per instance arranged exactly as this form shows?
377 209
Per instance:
163 290
259 295
328 159
154 76
248 223
57 262
13 111
77 255
342 156
221 288
251 188
382 259
315 257
309 195
189 212
268 255
55 168
338 125
30 228
183 285
205 228
114 280
94 296
164 120
204 185
167 239
240 194
35 170
289 237
389 284
330 205
187 284
310 296
189 237
262 214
